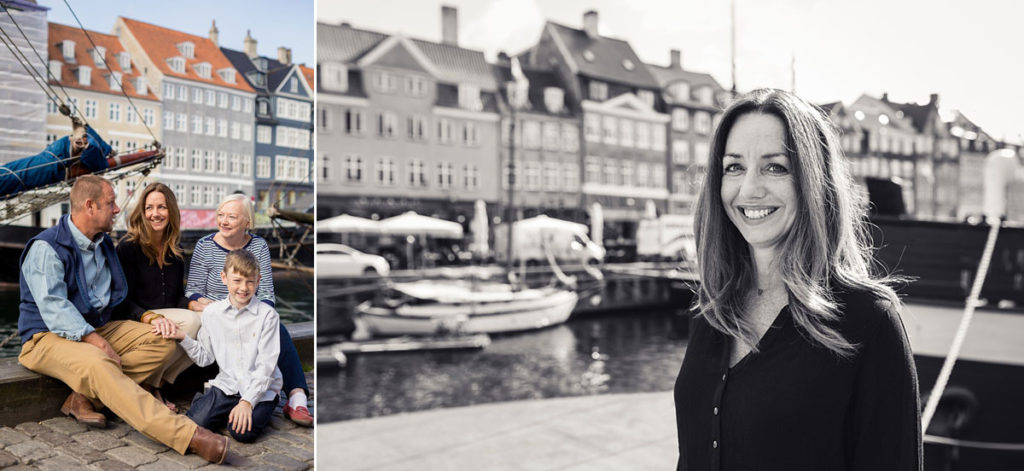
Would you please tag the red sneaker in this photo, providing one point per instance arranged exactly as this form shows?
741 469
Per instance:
299 415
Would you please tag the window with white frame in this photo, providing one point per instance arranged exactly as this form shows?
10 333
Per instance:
334 76
222 100
609 134
531 170
294 110
67 48
593 169
247 105
264 134
679 91
680 152
354 168
262 107
149 116
470 134
115 144
385 171
554 99
646 96
552 139
700 152
680 119
643 135
168 120
197 124
234 164
246 167
141 86
642 174
187 49
208 160
444 175
384 82
177 64
114 80
702 123
471 177
598 90
625 132
531 134
293 138
293 85
222 128
209 126
571 173
236 130
247 132
387 124
236 103
570 137
658 136
469 97
207 195
129 117
705 95
196 193
354 122
415 86
179 158
227 74
416 127
168 91
182 93
197 160
445 130
627 173
211 98
125 61
85 75
91 109
222 162
592 127
417 173
181 122
262 166
197 95
658 176
168 162
611 173
51 107
551 176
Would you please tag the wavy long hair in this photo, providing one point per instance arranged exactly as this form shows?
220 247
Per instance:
140 232
825 249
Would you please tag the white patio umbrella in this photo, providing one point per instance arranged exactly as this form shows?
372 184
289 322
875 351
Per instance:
345 224
479 226
410 223
597 224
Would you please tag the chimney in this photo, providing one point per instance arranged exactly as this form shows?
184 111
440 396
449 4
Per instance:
284 55
675 61
213 34
885 97
249 46
345 24
590 23
933 100
449 25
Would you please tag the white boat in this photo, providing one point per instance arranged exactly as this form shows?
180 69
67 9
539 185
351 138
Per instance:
442 307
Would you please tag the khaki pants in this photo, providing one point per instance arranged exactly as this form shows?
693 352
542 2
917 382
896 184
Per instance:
189 322
89 371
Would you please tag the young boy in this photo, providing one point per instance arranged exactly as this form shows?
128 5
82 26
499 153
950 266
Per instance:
241 334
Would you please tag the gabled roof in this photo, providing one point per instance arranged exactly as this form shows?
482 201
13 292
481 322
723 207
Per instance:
310 76
539 79
98 80
343 43
918 114
606 58
458 65
161 43
667 75
873 107
277 71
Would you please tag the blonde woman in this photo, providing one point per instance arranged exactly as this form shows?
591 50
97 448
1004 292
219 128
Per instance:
797 357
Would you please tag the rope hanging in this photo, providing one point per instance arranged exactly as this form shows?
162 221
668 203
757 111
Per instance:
64 109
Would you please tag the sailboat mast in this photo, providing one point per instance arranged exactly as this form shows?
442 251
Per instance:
732 42
510 208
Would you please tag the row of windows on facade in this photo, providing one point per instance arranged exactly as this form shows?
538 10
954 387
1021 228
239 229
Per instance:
178 92
90 109
202 69
624 132
334 78
417 173
353 122
549 135
266 199
115 144
625 173
208 126
98 55
288 168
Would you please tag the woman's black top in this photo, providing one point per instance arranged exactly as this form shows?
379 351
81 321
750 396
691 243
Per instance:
149 286
797 406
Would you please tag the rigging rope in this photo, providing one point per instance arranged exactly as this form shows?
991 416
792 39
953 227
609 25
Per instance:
18 56
41 61
116 80
961 332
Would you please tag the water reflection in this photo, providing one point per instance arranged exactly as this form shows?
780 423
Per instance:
628 352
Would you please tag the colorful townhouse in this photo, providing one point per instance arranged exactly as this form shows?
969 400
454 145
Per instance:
207 118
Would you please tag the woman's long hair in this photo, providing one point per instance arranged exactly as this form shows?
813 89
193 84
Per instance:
140 232
825 249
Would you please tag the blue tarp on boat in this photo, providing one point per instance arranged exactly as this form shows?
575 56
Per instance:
50 165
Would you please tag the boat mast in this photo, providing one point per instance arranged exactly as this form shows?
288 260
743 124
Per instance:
732 43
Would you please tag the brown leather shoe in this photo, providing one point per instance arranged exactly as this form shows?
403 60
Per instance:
81 408
209 446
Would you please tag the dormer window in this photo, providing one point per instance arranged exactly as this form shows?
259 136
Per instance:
680 92
114 80
335 76
140 86
84 75
177 64
257 78
705 95
646 96
98 53
260 63
554 99
469 97
204 69
598 90
187 49
55 69
67 48
227 74
125 60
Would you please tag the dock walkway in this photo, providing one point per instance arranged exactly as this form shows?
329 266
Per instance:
604 432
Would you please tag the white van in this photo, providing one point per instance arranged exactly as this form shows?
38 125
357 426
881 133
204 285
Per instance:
667 238
534 237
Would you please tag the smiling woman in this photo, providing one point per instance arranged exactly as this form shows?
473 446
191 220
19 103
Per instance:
797 356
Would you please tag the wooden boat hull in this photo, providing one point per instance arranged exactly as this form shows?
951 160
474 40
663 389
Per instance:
486 318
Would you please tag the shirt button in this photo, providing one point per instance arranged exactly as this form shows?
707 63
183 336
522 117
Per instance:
714 444
723 376
716 411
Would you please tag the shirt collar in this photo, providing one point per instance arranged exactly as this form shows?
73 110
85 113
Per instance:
81 240
250 308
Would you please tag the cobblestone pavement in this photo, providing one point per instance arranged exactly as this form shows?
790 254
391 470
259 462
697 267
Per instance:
61 443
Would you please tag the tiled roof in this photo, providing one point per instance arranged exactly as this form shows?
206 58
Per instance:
276 76
310 76
667 75
98 80
161 43
608 57
343 43
458 65
918 114
539 80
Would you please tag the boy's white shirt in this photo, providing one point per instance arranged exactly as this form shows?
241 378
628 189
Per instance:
245 343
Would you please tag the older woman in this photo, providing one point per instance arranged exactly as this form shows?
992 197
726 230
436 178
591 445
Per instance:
234 219
155 270
797 357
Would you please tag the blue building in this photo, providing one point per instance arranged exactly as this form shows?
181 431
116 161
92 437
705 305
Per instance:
284 127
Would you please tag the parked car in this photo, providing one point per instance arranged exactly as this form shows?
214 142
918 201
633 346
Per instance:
339 260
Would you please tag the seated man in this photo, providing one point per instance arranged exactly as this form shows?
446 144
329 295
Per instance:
84 146
70 282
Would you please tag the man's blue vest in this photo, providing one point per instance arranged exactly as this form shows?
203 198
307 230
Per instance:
63 242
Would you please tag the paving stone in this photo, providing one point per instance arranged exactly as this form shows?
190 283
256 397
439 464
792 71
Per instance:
31 451
58 463
293 438
53 438
118 429
83 454
136 438
32 428
132 455
284 462
65 425
21 467
9 436
281 423
161 465
98 440
190 461
112 465
245 449
276 445
7 459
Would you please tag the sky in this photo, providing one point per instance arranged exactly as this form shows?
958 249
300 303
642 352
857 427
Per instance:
271 24
970 53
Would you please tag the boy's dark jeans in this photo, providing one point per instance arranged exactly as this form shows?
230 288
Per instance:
211 410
